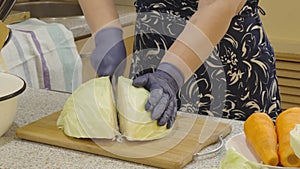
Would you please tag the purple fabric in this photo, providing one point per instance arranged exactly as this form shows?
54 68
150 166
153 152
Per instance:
44 65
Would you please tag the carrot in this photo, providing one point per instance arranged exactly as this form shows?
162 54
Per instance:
285 122
261 135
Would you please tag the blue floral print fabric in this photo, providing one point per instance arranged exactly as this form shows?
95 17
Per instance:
237 79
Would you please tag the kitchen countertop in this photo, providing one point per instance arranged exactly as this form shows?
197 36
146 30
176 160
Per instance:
37 103
80 28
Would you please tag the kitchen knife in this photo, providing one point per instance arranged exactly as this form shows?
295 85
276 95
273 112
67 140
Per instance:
121 70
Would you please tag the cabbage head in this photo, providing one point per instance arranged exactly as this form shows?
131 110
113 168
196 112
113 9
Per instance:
91 112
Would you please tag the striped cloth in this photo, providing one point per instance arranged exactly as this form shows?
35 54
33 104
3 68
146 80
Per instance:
44 55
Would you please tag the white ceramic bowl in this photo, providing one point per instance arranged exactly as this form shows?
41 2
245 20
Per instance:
11 86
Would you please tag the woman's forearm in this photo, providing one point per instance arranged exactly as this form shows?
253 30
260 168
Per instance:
203 31
100 13
213 17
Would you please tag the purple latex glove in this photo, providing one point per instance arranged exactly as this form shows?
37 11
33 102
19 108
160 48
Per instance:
163 88
109 52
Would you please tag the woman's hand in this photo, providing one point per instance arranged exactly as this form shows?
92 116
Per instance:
163 85
109 51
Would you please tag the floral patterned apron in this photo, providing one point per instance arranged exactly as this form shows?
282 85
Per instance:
237 79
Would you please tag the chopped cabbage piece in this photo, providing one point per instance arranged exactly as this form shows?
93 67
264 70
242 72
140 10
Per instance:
295 140
235 160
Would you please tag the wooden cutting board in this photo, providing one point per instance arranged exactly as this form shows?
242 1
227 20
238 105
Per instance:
189 135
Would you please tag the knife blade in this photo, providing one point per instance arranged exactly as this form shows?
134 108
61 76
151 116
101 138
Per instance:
122 70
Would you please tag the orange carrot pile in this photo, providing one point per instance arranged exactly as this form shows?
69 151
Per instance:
261 134
286 122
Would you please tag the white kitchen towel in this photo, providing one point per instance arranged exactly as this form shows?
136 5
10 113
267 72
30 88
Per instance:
44 55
